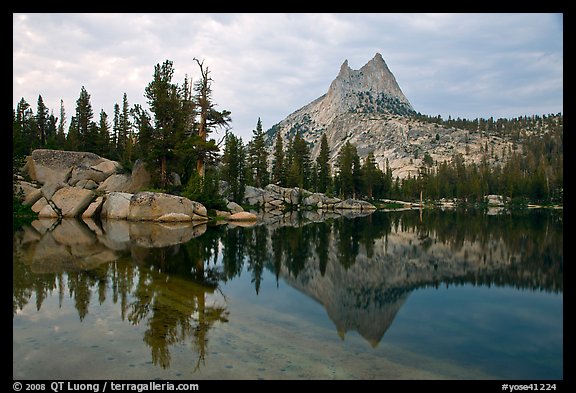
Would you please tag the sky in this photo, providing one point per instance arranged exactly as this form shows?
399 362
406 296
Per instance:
268 65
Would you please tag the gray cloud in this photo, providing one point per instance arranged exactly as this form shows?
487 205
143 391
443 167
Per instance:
269 65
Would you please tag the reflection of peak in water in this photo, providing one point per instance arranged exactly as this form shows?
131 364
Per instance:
364 293
371 322
353 297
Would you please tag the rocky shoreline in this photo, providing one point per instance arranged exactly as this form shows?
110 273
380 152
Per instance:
82 184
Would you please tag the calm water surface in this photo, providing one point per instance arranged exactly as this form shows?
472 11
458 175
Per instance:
392 295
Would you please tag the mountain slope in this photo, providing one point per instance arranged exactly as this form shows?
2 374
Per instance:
367 108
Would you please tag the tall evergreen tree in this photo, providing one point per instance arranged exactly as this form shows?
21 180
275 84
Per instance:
300 168
258 157
386 191
324 179
123 144
42 120
278 168
371 175
24 138
188 108
164 101
145 132
348 164
60 133
115 132
84 115
103 135
51 132
233 170
72 136
92 137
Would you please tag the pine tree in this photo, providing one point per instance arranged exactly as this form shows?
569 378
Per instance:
258 157
144 131
42 120
324 179
188 109
83 123
278 169
164 101
233 170
299 169
72 136
60 134
103 134
386 191
209 117
23 130
115 130
124 131
92 137
348 164
51 132
396 192
371 175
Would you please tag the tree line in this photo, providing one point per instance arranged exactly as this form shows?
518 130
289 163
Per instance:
532 172
513 128
175 137
532 168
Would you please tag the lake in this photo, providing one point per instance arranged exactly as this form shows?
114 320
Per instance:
410 294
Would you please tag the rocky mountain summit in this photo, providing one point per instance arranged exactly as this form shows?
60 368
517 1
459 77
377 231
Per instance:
367 108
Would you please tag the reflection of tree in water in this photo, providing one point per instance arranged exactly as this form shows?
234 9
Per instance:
347 241
122 277
233 242
351 234
320 237
530 242
165 288
297 248
257 253
79 285
245 245
174 310
171 293
25 284
524 249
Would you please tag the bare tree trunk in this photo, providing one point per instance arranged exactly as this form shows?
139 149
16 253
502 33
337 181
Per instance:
420 199
200 170
204 104
200 161
420 207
